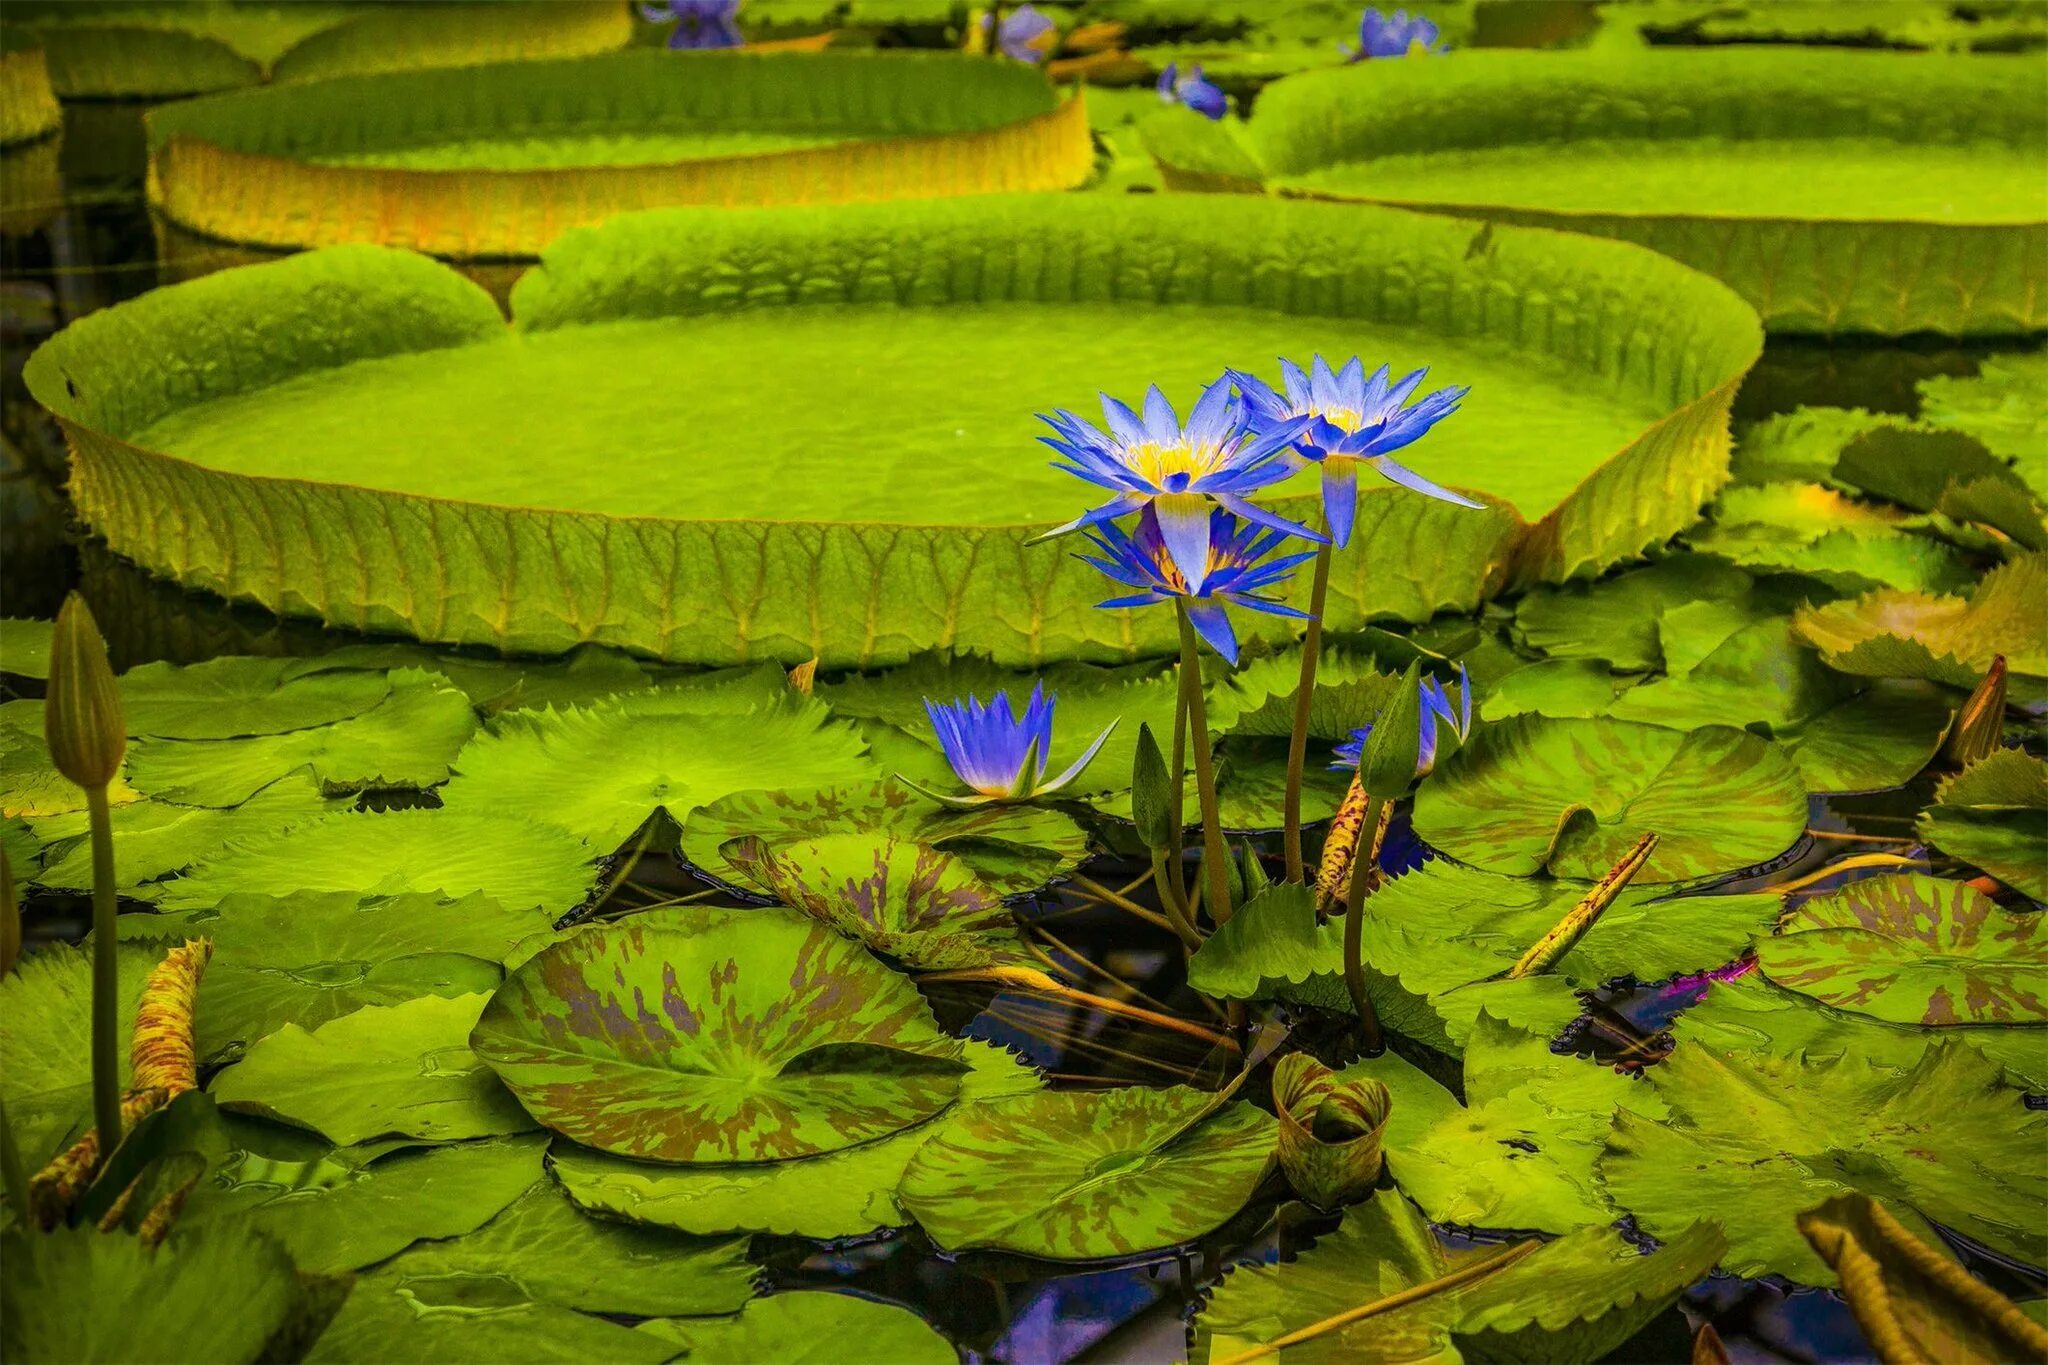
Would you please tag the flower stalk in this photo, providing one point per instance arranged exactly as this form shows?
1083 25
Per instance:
1297 740
1215 859
1354 943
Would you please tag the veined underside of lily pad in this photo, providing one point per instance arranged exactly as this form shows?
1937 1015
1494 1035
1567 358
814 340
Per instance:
1837 191
520 152
355 435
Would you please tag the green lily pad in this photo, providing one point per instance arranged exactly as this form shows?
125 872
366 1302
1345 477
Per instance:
1709 157
310 958
1076 1176
34 786
1751 1136
1878 738
1251 785
807 1329
1256 699
471 1319
1519 1152
1752 1014
1565 689
406 740
79 1294
46 1041
1891 634
600 772
231 697
558 1255
1615 620
2000 406
1912 950
1759 673
1991 815
1847 561
752 1036
514 861
1571 1302
1951 472
828 558
1271 942
1572 796
1800 446
404 1070
907 900
153 839
25 647
840 1194
1015 848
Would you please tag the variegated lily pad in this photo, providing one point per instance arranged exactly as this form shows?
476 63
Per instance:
1077 1176
1913 950
909 901
1570 797
1015 848
746 1036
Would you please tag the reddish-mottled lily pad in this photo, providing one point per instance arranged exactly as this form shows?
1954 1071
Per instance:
735 1036
1913 950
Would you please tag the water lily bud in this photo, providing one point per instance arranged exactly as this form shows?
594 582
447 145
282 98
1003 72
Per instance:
1254 878
1387 762
1151 792
82 712
1979 727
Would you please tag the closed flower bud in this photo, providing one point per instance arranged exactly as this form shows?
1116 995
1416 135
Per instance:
1388 760
82 713
1151 793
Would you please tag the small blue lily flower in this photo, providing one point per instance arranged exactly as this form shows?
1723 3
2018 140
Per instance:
1194 90
1353 420
1000 754
1436 708
1237 572
1394 36
1177 471
1026 35
699 23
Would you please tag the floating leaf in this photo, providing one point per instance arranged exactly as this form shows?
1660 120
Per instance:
1913 1302
1256 699
515 862
840 1194
1519 1153
1331 1130
1949 472
46 1040
406 740
1879 738
1015 848
1759 673
807 1329
906 900
1569 1302
1251 785
1750 1136
77 1294
1571 796
229 697
745 1036
25 647
402 1069
1570 689
1890 634
471 1319
1991 815
600 771
153 839
1272 941
2001 406
34 787
1081 1175
1912 950
1615 620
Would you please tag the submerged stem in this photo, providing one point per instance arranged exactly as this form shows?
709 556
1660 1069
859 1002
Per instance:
1215 859
106 983
1354 940
1297 740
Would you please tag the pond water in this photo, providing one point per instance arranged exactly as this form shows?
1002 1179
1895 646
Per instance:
836 413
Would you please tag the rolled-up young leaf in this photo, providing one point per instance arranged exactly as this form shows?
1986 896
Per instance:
1331 1131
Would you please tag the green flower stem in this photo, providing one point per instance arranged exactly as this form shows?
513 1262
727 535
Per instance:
1297 739
1354 937
1176 909
1215 861
1177 797
106 984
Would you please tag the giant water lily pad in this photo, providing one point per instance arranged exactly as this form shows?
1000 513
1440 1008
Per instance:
745 1036
600 771
1750 1136
1571 1302
1519 1152
839 1194
1991 815
1077 1175
404 159
1912 206
1913 950
1014 848
897 515
1572 796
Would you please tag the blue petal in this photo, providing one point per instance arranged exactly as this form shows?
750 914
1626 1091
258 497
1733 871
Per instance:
1340 498
1212 623
1184 525
1408 478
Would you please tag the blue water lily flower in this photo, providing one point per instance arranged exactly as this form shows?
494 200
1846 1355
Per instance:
1436 709
1000 754
1026 35
1194 90
699 23
1352 420
1237 572
1394 35
1178 471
